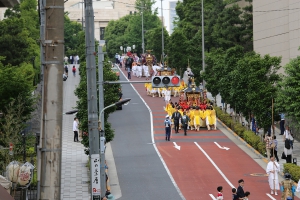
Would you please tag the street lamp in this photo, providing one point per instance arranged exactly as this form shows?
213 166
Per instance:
81 14
143 42
102 144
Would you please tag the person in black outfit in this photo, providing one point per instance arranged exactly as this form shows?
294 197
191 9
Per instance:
184 121
240 191
176 116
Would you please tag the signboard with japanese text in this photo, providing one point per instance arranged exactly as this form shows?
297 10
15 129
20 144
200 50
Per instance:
95 170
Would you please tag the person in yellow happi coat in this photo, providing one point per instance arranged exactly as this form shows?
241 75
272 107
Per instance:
211 119
169 109
197 119
148 87
203 114
191 116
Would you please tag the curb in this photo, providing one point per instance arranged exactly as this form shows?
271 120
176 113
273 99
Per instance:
249 146
243 141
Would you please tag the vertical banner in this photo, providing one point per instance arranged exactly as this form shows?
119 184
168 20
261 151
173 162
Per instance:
95 170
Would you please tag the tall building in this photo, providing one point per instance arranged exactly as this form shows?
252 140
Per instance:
276 28
172 15
104 11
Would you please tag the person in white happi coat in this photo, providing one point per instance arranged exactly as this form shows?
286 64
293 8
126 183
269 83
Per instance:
139 71
167 96
134 70
273 168
146 71
155 69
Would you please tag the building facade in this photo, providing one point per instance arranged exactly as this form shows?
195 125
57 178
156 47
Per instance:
172 15
276 25
104 11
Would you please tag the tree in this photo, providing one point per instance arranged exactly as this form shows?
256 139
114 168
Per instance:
20 34
110 95
127 31
10 128
154 35
287 100
72 36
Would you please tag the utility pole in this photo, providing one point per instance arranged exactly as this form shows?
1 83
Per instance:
143 40
52 102
203 55
92 100
101 118
162 35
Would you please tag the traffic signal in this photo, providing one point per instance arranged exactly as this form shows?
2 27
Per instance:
165 81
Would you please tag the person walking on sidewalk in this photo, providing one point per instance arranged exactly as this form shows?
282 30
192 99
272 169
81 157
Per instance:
74 71
167 123
75 129
273 168
268 140
185 121
176 116
282 122
274 144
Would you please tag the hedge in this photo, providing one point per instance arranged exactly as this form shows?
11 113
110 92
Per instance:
293 170
254 140
251 138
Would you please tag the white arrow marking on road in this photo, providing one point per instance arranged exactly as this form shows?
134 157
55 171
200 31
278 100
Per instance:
176 146
212 196
221 147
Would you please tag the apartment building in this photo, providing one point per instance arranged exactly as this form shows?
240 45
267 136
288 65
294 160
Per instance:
276 25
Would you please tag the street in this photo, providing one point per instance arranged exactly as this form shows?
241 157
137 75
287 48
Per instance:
198 168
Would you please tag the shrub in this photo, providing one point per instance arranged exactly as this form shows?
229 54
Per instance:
292 169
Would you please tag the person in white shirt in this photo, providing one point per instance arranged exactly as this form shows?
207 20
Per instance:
273 168
134 70
66 59
75 130
146 71
155 68
139 71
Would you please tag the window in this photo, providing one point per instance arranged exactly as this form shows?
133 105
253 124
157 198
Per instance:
102 32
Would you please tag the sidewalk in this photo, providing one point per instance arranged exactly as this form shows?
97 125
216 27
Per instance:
280 147
74 173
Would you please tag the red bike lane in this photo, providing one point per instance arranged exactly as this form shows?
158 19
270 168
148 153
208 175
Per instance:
193 172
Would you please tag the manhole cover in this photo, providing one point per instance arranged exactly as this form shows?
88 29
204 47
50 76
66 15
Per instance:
258 174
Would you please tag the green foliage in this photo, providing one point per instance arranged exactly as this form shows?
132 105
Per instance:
127 31
250 137
154 38
244 80
73 32
110 95
288 100
293 170
20 34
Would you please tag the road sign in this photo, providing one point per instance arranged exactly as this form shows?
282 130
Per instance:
11 147
95 170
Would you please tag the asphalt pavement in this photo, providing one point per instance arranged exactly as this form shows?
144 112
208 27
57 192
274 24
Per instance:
140 171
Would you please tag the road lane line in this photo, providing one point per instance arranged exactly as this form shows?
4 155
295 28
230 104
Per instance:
270 196
214 164
212 196
152 138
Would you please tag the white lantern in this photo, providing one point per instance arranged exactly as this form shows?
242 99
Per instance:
121 48
25 174
13 171
133 46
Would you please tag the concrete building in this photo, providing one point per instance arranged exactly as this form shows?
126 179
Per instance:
172 16
104 12
276 25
